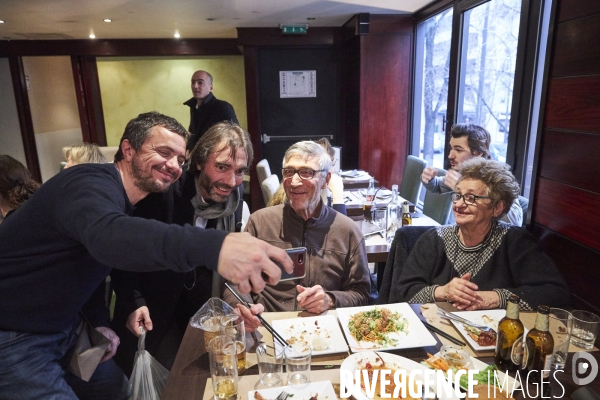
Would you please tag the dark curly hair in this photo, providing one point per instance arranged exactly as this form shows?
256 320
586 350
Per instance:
139 129
16 185
496 175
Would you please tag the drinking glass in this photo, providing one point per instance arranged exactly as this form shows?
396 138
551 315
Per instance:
211 325
297 363
379 216
561 325
223 367
233 325
270 364
585 329
367 211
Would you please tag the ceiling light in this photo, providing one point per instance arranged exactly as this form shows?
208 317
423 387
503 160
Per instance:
92 36
177 35
107 20
1 21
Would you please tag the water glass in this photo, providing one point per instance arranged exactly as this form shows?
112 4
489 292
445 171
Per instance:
585 329
297 363
223 367
561 325
233 325
270 364
378 216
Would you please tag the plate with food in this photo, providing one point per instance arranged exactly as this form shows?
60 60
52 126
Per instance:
452 357
372 361
322 334
385 327
477 339
322 390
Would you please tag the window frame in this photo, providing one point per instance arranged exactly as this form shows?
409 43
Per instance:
524 107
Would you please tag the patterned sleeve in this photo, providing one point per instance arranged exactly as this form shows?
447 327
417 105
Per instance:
424 295
504 294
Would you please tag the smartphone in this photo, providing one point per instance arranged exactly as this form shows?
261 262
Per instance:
298 256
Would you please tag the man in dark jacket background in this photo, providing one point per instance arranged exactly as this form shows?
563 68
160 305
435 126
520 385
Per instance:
205 109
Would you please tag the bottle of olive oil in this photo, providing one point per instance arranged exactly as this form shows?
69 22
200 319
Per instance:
509 343
539 345
406 218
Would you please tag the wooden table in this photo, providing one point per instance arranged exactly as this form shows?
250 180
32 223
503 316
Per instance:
190 372
352 184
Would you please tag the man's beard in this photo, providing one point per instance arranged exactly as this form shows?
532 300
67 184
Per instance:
209 187
144 182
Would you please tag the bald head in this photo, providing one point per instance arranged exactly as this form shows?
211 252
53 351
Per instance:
201 85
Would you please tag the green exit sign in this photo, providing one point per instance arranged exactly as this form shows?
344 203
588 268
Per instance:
294 30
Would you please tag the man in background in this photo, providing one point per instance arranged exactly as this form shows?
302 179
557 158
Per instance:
336 258
468 141
205 109
208 195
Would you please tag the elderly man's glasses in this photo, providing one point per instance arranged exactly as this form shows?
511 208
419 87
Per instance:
303 173
467 198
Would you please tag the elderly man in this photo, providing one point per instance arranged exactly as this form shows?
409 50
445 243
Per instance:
208 195
336 261
468 141
61 244
205 109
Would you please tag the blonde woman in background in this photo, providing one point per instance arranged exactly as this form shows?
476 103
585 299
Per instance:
333 196
86 153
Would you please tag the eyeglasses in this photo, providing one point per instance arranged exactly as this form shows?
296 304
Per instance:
303 173
467 198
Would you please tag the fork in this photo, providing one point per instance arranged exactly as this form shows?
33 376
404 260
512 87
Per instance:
282 396
451 316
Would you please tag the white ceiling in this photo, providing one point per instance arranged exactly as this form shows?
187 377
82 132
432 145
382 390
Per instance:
144 19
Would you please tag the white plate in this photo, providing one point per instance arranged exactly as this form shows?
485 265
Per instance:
478 365
306 329
477 317
417 336
359 360
323 390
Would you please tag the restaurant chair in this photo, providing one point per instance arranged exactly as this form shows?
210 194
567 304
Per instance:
389 277
438 206
263 170
109 152
269 186
524 203
410 186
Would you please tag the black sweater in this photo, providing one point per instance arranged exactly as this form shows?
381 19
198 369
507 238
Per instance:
61 244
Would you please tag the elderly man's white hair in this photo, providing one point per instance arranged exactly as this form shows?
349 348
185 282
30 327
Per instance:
309 149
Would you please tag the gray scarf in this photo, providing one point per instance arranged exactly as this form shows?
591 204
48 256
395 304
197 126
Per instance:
224 213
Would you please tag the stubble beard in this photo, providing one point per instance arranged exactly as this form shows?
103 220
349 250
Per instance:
209 187
145 182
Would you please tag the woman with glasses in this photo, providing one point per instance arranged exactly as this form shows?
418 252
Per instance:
480 261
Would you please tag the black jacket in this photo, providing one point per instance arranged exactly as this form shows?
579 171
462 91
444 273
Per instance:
209 113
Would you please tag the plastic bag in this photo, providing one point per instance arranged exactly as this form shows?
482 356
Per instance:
149 377
204 317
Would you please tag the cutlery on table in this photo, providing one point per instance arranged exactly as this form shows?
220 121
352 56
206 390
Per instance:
456 318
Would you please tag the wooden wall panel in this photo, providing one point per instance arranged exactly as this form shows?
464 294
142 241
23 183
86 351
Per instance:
350 102
569 211
574 103
557 152
576 47
385 82
571 9
578 265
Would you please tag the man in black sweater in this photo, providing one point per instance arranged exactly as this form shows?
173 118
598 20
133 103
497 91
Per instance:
205 109
208 195
58 248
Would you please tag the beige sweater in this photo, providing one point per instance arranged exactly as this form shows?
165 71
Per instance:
336 256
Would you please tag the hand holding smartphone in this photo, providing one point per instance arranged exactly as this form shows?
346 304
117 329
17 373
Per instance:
298 256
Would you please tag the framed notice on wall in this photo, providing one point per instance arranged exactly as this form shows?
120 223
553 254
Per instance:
297 84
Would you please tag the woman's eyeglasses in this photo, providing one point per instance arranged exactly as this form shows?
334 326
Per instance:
467 198
303 173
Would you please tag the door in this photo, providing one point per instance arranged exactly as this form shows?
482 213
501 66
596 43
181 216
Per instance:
285 121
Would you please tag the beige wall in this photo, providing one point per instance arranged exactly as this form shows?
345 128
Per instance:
135 85
53 109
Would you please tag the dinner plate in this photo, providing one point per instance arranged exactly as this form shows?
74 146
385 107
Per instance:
477 317
306 329
322 389
416 336
478 365
392 361
381 194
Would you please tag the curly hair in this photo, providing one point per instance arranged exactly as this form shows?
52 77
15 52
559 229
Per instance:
16 185
500 182
478 137
219 137
140 128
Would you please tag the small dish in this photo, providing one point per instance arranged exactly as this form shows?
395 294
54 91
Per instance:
455 356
